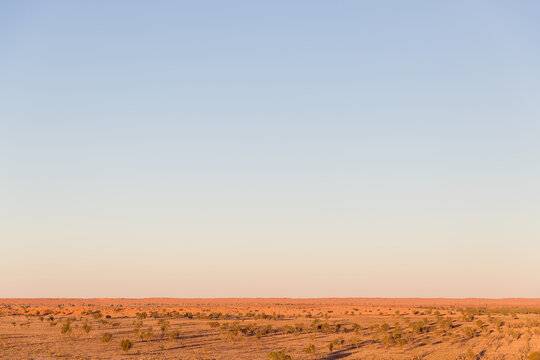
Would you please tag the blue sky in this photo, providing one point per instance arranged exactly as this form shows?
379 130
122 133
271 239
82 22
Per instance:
269 149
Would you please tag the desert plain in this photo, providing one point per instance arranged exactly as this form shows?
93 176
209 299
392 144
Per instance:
276 329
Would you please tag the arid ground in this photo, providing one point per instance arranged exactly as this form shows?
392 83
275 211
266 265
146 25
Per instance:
353 328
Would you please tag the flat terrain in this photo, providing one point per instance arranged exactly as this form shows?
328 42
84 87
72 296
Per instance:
353 328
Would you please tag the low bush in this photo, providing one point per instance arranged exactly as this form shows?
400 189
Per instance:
310 350
279 355
86 327
66 327
126 345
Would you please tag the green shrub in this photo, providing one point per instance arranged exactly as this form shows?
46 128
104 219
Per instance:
163 325
97 315
288 329
446 323
174 334
86 327
141 315
147 334
66 327
137 326
126 345
106 337
418 327
469 332
279 355
310 350
356 341
330 346
479 323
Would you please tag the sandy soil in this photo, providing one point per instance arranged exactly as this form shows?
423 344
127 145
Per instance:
343 328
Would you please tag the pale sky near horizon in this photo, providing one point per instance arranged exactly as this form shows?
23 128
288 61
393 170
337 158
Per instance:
269 149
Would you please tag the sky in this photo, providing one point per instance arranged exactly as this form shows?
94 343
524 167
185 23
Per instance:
269 149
